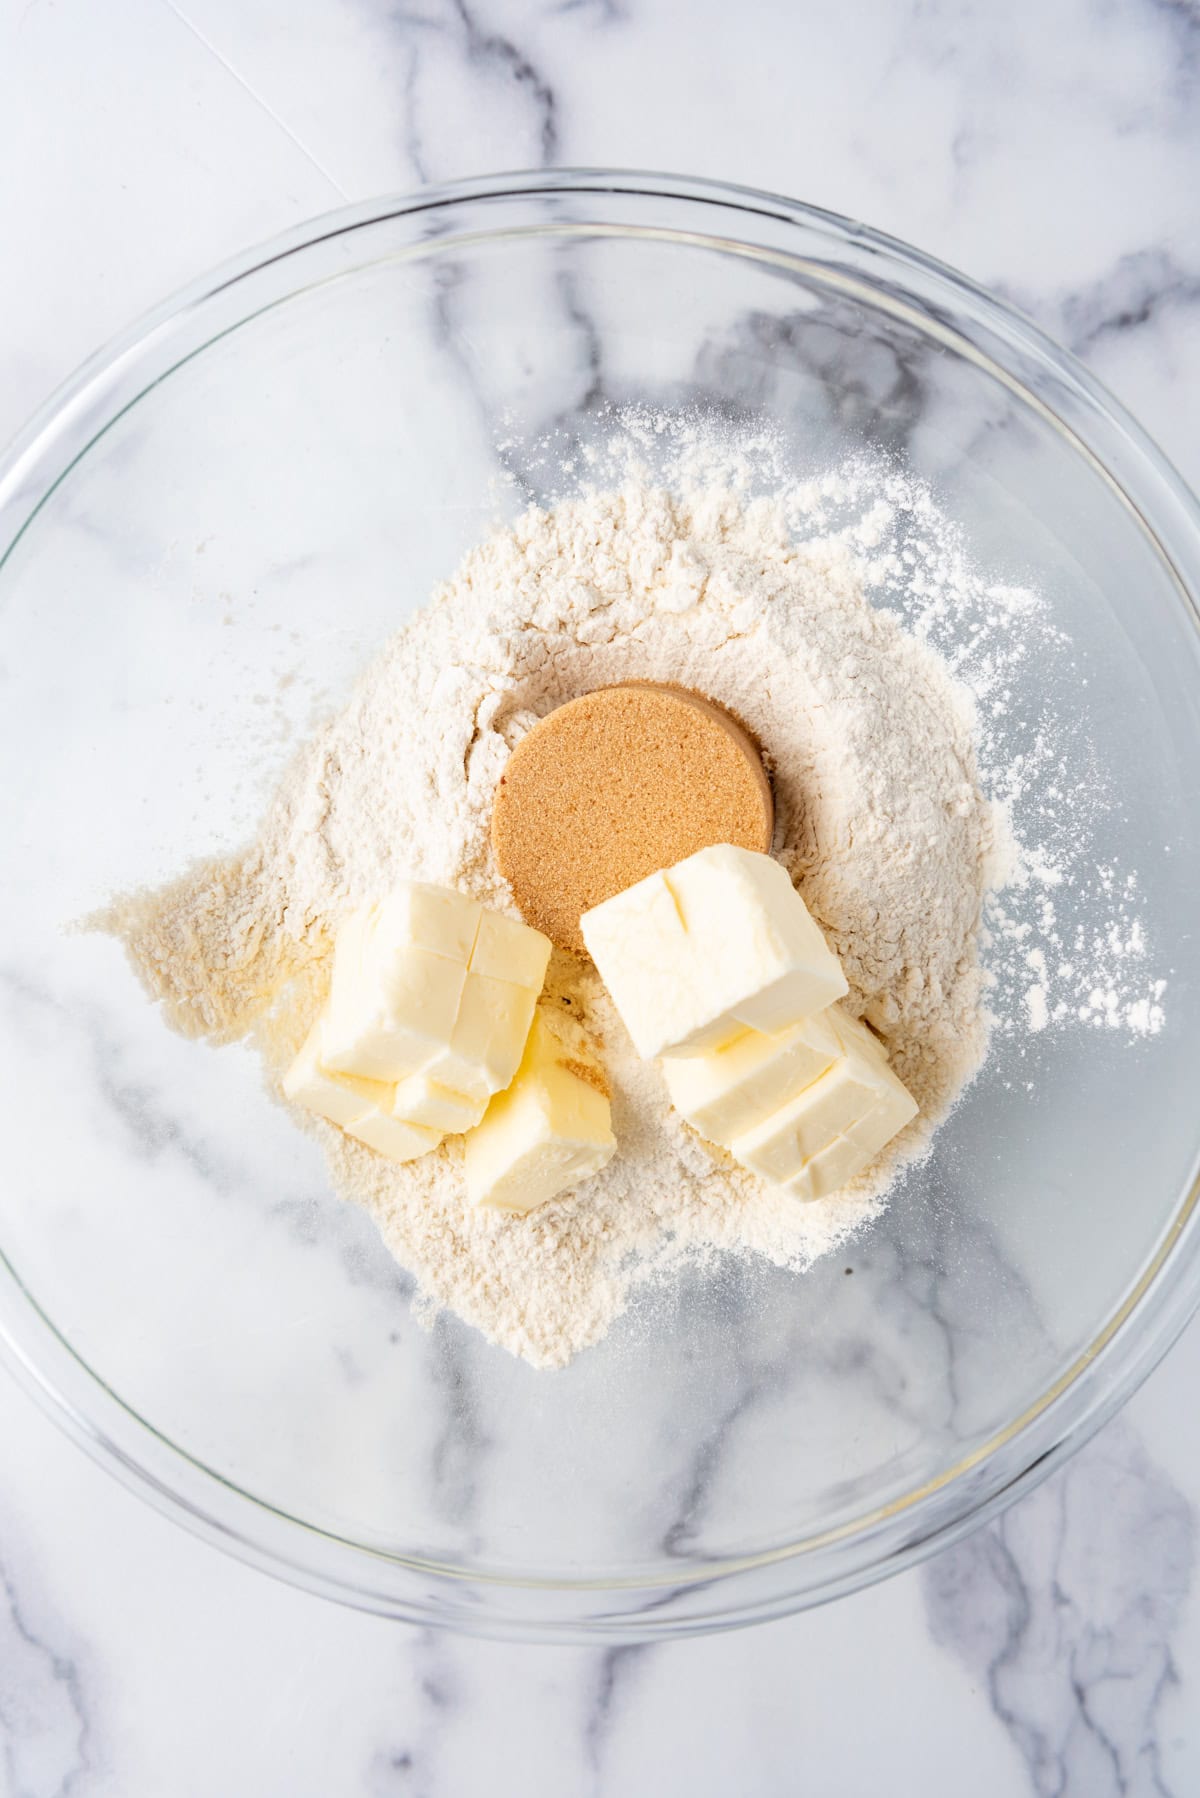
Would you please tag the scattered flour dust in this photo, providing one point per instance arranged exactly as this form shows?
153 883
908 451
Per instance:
821 614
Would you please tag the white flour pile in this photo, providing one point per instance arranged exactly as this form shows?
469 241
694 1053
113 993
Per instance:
881 821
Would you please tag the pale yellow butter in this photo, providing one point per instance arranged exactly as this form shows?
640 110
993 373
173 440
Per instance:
420 1100
488 1039
363 1108
428 984
829 1132
507 950
717 944
822 1174
391 1137
727 1091
399 969
341 1098
549 1131
894 1106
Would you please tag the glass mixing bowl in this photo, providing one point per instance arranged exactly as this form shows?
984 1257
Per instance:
204 536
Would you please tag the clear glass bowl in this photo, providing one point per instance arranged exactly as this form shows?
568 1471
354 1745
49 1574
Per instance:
204 536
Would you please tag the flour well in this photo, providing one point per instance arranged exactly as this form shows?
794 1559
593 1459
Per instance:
880 820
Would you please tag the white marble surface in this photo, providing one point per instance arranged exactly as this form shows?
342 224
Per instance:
1049 151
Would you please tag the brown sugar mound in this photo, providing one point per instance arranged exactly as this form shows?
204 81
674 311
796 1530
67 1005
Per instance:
615 785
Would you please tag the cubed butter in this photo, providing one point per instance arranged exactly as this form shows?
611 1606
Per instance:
894 1106
505 949
391 1137
428 984
420 1100
439 919
363 1108
727 1091
488 1039
399 969
720 943
340 1098
825 1173
829 1132
550 1130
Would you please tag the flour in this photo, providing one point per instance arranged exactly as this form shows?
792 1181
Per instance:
1062 936
759 602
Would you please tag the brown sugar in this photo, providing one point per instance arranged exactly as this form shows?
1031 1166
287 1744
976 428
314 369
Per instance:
615 785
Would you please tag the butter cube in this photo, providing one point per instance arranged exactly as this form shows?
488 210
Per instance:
361 1107
428 983
830 1170
340 1098
507 950
717 944
727 1091
894 1106
389 1136
488 1039
399 969
550 1130
831 1130
439 919
420 1100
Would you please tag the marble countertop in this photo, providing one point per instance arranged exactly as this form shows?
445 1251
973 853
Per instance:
1049 151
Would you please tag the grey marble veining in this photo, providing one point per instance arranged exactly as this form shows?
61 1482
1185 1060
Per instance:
1067 1609
45 1729
1050 152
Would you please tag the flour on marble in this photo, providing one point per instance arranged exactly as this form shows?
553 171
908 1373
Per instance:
757 599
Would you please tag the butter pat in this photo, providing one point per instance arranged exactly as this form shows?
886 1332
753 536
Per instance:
427 983
727 1091
488 1038
363 1108
420 1100
829 1132
507 950
550 1130
391 1137
399 969
718 944
339 1098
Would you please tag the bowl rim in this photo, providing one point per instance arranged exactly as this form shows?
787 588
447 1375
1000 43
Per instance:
1013 1459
